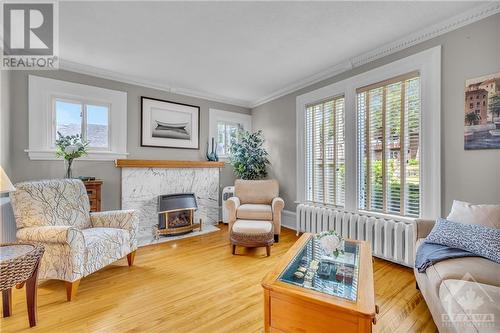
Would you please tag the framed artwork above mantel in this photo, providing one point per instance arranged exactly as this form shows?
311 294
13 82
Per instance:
166 124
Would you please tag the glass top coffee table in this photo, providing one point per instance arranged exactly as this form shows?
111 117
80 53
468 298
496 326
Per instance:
311 268
308 291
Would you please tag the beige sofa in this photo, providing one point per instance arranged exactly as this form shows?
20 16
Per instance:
463 294
256 200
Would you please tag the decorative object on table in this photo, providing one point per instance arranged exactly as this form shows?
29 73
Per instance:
5 183
325 270
482 113
331 243
212 156
70 147
56 213
249 157
169 124
93 188
19 264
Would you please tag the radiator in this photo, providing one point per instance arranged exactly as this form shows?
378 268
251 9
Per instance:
389 239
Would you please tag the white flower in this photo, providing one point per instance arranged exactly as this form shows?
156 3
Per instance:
70 149
330 243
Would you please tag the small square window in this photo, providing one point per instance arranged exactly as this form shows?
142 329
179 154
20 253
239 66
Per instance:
97 126
227 133
68 118
89 121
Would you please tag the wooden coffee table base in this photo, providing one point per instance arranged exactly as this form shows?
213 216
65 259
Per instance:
290 308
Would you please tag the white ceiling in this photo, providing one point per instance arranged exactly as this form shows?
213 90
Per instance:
240 52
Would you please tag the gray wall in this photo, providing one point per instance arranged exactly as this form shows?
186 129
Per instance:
5 160
468 52
25 169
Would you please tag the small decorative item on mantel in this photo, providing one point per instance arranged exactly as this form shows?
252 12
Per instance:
70 147
212 156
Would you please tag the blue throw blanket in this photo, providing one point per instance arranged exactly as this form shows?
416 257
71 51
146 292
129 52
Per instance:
429 253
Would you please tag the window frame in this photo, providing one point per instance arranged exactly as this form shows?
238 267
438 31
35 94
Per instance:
428 64
84 127
217 116
43 92
334 100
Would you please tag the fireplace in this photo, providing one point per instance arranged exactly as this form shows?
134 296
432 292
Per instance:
176 214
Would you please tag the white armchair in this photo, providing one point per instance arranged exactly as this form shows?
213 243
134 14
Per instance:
256 200
77 243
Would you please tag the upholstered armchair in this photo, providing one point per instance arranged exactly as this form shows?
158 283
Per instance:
256 200
77 243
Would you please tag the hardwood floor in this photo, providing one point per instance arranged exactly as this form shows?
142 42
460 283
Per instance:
196 285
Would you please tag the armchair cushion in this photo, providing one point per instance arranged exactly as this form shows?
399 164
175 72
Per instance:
121 219
255 212
51 202
256 191
104 246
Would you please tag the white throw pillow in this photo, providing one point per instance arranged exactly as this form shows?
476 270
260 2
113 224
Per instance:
464 212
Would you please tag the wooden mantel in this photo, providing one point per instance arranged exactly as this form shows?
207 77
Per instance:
167 164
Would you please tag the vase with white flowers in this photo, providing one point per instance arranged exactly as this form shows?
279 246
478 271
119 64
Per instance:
331 243
70 147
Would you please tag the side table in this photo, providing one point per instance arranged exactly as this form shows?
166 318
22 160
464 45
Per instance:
19 265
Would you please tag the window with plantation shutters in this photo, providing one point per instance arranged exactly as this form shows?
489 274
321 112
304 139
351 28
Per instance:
389 146
325 152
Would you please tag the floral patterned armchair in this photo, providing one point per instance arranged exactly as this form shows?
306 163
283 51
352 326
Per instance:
77 243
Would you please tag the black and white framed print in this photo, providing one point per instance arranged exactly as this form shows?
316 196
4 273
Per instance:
169 124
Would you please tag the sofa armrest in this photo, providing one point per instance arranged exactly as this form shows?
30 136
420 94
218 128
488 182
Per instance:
424 227
232 205
277 206
52 234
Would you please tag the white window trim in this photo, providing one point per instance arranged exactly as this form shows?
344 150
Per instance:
42 95
216 116
428 63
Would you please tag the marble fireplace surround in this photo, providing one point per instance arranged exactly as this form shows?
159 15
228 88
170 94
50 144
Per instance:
142 181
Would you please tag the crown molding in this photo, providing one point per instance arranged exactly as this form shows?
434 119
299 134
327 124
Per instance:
143 82
458 21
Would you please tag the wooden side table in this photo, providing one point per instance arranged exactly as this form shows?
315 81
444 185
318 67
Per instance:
19 265
94 192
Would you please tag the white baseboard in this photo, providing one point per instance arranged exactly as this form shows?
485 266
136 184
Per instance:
288 219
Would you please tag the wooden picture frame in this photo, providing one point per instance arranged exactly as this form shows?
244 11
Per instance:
166 124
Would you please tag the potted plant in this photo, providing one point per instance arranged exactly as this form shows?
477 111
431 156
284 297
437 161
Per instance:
70 147
248 156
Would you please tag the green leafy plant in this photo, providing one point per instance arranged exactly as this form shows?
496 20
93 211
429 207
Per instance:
248 156
70 147
472 118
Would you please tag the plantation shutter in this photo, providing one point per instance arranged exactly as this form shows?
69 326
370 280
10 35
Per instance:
325 157
389 146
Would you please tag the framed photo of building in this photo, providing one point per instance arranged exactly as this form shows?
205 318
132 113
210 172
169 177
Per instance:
169 124
482 113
